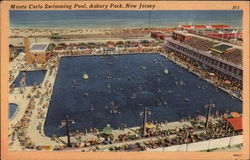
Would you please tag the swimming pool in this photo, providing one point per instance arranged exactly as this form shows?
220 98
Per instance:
13 108
36 76
127 84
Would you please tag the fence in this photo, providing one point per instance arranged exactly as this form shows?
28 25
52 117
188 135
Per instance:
204 145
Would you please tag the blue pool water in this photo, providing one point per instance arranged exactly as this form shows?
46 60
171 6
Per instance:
12 110
32 77
128 83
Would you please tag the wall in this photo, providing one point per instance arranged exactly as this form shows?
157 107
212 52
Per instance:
204 145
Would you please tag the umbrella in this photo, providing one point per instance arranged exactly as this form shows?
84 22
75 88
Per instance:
91 43
107 129
235 114
145 41
62 44
227 82
110 42
149 125
81 43
225 115
47 147
120 43
202 118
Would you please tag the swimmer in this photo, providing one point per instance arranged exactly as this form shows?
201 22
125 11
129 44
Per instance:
91 108
74 84
186 99
158 90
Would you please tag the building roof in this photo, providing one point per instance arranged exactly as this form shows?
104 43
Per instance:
199 26
220 26
236 122
184 33
206 26
221 48
39 47
199 43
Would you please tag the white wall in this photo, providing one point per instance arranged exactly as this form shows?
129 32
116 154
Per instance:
204 145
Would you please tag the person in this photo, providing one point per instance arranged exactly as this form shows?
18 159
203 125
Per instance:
74 84
92 108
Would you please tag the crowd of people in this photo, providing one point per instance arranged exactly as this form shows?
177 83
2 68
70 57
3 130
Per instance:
183 135
219 80
168 137
102 48
34 97
19 130
158 138
233 55
200 44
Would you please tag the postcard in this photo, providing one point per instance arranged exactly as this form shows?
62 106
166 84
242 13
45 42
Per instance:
124 80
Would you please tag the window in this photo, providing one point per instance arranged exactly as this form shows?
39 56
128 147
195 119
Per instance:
220 64
240 73
225 66
235 70
216 62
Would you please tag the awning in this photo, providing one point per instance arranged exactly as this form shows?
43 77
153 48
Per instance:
107 130
227 82
149 125
236 122
235 114
110 42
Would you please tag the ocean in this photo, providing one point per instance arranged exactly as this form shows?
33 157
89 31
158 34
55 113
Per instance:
121 18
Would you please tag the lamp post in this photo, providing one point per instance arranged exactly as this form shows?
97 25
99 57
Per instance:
67 121
209 107
145 113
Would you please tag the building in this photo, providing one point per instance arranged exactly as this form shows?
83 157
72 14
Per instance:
221 48
181 35
158 35
227 60
37 52
220 31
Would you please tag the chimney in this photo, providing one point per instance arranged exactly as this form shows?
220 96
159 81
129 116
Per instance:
26 45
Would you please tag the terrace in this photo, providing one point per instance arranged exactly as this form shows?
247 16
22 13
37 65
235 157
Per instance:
200 44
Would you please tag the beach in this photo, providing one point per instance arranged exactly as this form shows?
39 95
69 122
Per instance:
81 35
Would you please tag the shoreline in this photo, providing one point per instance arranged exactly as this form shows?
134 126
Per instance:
82 31
78 27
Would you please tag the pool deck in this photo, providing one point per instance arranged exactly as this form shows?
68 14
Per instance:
32 132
